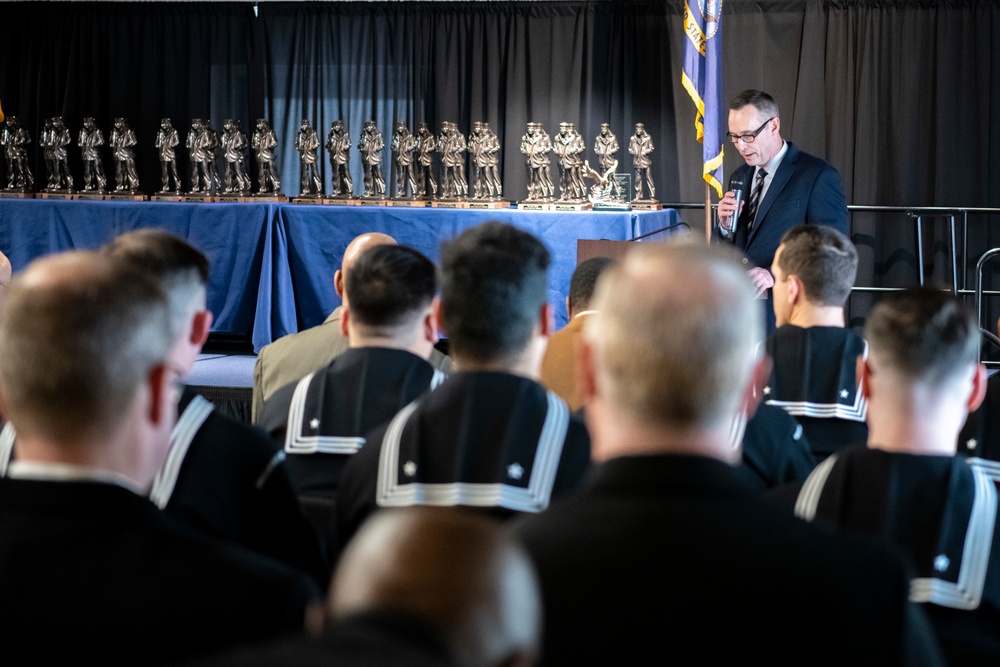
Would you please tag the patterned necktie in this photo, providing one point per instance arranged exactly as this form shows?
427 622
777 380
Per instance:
758 187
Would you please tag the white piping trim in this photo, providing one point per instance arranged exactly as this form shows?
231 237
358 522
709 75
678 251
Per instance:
7 436
297 443
535 498
805 504
181 437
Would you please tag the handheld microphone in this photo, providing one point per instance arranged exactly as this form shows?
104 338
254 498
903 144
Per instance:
737 184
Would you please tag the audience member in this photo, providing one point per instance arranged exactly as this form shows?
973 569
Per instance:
813 377
321 420
559 367
220 476
921 379
292 357
665 555
92 571
490 436
422 587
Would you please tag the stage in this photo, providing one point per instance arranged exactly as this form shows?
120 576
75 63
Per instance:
272 265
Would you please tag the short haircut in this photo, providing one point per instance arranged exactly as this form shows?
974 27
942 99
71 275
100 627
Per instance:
80 333
824 260
457 570
923 334
388 284
181 267
675 335
494 280
764 103
584 280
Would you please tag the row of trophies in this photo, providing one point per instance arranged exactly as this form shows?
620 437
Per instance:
219 163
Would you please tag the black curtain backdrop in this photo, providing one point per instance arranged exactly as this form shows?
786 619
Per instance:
903 96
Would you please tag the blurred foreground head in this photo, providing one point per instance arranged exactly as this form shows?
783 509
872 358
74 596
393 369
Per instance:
673 342
460 572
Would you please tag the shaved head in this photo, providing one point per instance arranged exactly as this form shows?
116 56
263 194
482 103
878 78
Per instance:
353 251
459 571
362 243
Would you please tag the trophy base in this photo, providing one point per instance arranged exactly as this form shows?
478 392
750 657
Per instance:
126 196
56 195
308 199
449 203
573 206
646 205
535 206
234 199
341 201
271 197
489 203
417 203
90 195
16 194
200 198
373 201
167 196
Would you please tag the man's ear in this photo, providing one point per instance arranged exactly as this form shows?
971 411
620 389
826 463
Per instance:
863 374
978 388
586 372
759 378
201 325
338 283
431 322
438 315
796 292
345 316
546 319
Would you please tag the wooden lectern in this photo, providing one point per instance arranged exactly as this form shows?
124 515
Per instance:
616 250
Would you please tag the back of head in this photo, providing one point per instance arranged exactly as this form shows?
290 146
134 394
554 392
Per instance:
764 103
825 261
80 332
924 335
494 280
182 268
388 286
584 281
675 335
459 571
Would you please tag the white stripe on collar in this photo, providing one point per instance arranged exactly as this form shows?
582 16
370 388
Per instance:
183 434
297 443
535 498
6 447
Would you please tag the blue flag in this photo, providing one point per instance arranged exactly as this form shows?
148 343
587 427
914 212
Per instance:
702 79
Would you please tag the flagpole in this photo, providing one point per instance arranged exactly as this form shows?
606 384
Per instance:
708 213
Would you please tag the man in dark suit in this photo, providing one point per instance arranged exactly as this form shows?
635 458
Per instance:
784 187
91 570
666 556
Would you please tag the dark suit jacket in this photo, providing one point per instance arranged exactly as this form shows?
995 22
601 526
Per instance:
805 190
92 573
674 560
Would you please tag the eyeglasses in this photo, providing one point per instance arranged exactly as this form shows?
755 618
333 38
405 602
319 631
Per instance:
748 137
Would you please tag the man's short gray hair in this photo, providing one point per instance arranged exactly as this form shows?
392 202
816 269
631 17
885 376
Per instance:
676 334
80 333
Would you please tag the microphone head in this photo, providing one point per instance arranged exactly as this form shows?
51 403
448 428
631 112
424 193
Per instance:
737 182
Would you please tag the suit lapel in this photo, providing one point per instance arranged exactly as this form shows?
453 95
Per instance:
785 171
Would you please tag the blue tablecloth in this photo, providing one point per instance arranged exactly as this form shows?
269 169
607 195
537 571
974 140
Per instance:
272 265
